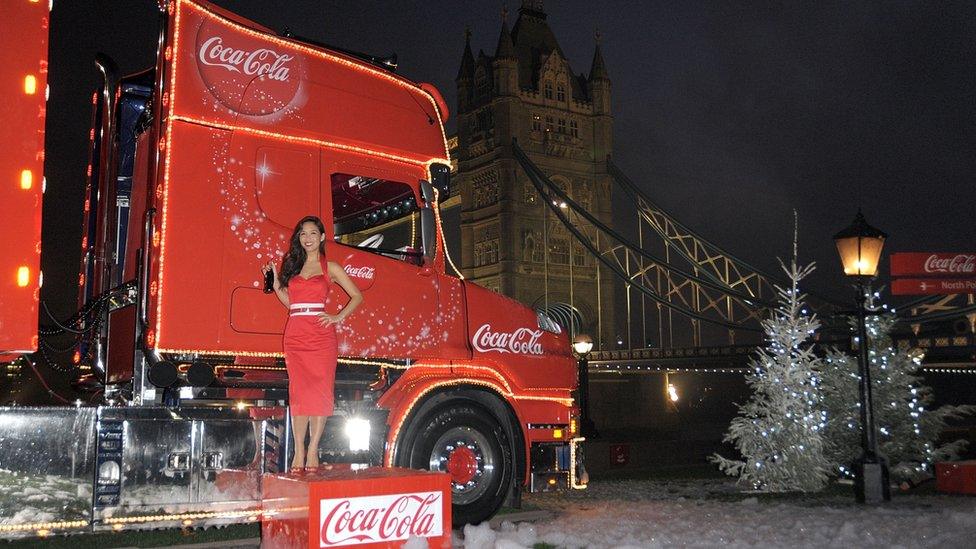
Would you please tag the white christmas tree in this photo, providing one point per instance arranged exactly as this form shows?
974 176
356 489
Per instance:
779 431
907 429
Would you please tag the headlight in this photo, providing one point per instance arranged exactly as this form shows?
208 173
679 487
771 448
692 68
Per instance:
547 323
109 472
357 431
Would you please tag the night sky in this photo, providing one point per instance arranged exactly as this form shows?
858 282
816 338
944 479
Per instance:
730 117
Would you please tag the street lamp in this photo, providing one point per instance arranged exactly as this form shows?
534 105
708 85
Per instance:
860 247
583 344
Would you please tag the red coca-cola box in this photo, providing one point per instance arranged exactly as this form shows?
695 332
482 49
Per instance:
353 506
956 477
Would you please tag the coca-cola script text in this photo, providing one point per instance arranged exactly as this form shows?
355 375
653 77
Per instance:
521 341
375 519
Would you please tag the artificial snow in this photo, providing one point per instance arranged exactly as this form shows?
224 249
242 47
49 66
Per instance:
716 513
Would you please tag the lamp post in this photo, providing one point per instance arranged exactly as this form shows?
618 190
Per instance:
860 248
583 344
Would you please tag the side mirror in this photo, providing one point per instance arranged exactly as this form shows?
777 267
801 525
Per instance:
428 232
440 177
427 193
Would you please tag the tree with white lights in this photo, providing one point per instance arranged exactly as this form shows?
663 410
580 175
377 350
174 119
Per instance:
907 429
779 431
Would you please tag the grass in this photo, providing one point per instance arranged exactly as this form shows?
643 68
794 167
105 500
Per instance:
141 538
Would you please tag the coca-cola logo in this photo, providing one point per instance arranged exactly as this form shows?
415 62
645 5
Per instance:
521 341
246 75
957 264
262 62
364 272
376 519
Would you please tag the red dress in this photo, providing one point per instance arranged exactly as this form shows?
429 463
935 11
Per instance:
311 350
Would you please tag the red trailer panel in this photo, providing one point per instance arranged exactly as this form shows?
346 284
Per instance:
23 89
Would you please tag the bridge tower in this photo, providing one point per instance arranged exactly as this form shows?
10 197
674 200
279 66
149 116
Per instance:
510 242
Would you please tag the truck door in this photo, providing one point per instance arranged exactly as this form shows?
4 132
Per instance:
377 240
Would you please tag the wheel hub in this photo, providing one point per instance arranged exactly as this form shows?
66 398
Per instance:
462 464
465 454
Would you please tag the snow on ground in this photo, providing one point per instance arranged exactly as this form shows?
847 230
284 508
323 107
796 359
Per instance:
715 513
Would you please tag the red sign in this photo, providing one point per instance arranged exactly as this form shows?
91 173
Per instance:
344 505
938 264
933 286
619 454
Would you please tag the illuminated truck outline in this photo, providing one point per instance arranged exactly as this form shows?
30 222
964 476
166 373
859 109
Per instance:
225 100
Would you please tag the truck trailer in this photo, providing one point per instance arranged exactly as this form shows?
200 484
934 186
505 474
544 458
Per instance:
200 166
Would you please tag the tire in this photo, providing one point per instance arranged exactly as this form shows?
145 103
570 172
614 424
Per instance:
468 442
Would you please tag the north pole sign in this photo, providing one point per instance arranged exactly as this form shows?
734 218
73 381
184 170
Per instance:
945 273
933 286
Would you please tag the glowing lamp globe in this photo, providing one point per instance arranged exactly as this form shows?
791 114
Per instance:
582 344
860 247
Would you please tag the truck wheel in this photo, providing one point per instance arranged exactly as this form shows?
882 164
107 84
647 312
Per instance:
467 442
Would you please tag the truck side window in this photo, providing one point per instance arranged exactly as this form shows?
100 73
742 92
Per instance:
377 215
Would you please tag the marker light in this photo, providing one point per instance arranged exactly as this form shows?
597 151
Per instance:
557 433
30 84
23 276
26 180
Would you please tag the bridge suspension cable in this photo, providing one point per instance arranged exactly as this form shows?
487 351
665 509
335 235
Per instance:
712 261
699 298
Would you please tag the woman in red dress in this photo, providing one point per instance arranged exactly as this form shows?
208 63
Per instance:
310 337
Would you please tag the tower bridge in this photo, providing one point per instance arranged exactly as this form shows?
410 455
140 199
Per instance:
534 182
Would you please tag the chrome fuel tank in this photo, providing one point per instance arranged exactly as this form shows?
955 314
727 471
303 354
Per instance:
164 467
47 463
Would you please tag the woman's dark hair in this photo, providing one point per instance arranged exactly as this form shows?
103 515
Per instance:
294 260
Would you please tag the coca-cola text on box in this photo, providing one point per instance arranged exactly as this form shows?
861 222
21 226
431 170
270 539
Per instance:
374 519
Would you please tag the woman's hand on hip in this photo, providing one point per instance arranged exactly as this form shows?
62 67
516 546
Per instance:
326 319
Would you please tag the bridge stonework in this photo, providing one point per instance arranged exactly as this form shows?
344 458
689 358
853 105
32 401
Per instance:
510 242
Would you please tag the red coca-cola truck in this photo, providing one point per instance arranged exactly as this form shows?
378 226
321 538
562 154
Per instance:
200 168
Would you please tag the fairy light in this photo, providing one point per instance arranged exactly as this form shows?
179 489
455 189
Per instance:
164 186
440 231
297 139
62 525
413 229
572 464
182 517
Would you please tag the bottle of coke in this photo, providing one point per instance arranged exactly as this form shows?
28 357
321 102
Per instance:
269 281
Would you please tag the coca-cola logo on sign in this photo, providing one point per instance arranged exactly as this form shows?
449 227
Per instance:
521 341
957 264
375 519
246 75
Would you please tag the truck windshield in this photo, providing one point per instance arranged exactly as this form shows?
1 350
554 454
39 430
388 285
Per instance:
377 215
